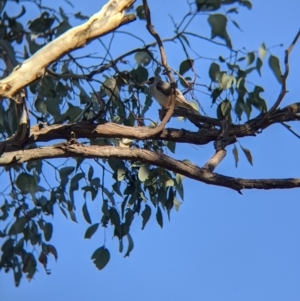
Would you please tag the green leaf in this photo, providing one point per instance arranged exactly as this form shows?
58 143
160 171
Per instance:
171 145
19 248
90 189
29 265
62 27
90 231
64 175
218 23
73 113
74 184
143 58
259 64
86 213
18 225
52 250
116 187
128 220
40 105
179 186
90 173
130 245
226 81
110 195
121 172
246 3
144 172
186 66
26 183
249 70
275 67
8 246
248 155
101 257
169 202
262 50
214 72
105 210
48 229
255 100
233 10
73 216
146 216
221 59
140 12
235 155
80 16
140 74
169 183
177 204
224 109
159 217
236 24
215 94
115 218
250 58
208 5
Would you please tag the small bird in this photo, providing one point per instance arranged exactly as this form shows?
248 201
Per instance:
162 90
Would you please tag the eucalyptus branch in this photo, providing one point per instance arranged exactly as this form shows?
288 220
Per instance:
66 150
111 16
87 130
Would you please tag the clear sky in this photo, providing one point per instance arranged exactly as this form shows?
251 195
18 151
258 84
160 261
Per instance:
220 245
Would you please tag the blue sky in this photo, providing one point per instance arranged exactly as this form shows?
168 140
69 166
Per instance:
220 245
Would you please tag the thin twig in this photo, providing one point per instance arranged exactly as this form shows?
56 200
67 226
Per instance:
284 78
164 62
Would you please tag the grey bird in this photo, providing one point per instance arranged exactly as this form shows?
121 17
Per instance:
161 91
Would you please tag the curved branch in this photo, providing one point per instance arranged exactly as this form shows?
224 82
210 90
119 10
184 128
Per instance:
41 133
66 150
284 76
164 62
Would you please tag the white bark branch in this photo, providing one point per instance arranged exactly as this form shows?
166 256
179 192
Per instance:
110 17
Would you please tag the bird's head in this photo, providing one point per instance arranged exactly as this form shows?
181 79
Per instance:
152 80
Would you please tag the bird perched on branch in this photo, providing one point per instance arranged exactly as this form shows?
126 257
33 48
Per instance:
162 92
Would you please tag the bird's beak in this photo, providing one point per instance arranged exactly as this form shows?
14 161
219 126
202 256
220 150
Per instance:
147 82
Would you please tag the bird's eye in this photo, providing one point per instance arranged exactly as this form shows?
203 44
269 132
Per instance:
151 80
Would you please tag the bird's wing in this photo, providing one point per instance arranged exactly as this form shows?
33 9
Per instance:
164 88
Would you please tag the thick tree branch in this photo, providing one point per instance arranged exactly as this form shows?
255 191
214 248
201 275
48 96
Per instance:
40 133
66 150
110 17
